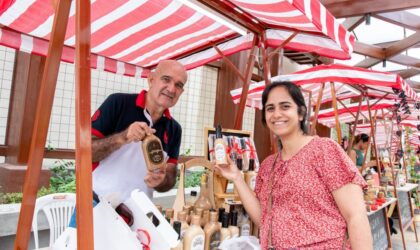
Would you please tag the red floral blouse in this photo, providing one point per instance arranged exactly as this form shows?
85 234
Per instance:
304 213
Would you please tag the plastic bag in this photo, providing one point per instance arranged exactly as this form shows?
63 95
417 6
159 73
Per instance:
241 243
110 232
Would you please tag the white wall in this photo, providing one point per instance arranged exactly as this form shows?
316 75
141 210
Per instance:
194 111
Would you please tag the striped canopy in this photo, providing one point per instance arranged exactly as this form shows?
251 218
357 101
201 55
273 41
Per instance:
383 136
375 83
348 114
131 36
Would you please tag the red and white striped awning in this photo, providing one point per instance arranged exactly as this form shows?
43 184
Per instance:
376 83
348 114
130 36
383 135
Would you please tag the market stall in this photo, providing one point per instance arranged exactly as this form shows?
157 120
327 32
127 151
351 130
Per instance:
380 95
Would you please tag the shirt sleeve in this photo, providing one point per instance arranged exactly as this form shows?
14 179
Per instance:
104 119
337 169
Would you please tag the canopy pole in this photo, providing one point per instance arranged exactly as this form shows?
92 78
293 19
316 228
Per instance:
84 215
229 63
245 88
348 110
42 119
373 136
337 122
265 60
403 160
352 135
317 107
281 46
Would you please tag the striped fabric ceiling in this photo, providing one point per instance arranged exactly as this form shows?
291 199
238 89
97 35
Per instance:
131 36
348 114
375 83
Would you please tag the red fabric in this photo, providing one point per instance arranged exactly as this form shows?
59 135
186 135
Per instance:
172 160
169 29
97 133
4 5
304 213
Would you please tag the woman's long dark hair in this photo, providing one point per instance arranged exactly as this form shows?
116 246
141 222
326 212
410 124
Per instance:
361 137
297 97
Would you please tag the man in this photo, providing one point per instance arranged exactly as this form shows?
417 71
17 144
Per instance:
123 121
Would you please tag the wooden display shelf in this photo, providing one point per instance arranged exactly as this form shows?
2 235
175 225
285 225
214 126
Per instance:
226 195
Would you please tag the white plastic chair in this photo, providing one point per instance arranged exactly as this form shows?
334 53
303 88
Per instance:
58 209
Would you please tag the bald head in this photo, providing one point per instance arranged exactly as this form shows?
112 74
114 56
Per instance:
174 66
166 84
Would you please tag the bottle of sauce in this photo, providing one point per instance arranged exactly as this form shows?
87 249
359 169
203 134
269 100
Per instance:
188 209
192 198
233 228
182 217
224 231
177 228
153 152
245 225
220 217
169 215
220 147
251 175
206 218
203 200
194 236
245 160
212 233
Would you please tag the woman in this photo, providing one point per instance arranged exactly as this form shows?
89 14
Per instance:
361 143
307 195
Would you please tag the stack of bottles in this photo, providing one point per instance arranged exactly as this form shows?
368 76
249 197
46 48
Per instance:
241 151
201 227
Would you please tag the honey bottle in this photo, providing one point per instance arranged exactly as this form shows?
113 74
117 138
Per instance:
153 152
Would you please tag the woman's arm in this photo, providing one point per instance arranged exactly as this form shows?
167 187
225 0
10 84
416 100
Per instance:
249 201
349 199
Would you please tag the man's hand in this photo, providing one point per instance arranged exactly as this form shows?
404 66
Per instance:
137 131
155 178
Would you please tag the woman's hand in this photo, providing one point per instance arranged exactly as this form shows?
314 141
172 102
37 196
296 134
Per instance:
229 171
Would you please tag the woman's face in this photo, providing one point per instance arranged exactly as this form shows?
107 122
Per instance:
281 113
364 145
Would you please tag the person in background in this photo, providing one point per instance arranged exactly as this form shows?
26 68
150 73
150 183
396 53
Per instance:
361 143
309 194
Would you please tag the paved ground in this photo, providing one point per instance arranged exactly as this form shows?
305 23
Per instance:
410 238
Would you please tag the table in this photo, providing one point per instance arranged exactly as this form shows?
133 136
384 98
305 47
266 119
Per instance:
379 226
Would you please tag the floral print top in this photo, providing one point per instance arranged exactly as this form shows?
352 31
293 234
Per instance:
304 214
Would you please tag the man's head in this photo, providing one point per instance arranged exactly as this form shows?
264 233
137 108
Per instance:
166 83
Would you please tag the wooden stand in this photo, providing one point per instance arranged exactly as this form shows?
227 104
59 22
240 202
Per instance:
180 195
219 183
379 226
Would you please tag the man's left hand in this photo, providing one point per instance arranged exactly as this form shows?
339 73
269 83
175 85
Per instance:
155 178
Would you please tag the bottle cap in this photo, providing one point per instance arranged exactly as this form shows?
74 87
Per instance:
177 228
234 218
225 220
219 132
239 163
251 165
221 211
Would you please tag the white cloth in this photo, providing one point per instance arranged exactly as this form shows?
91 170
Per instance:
122 172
